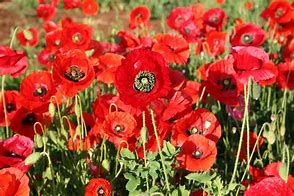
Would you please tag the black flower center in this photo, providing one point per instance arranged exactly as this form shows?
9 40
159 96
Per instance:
40 92
197 154
74 74
51 57
100 192
76 38
144 82
10 107
29 119
247 38
119 128
227 84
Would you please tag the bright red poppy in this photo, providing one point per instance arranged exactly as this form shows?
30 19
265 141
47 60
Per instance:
200 121
90 7
46 57
279 11
222 82
197 154
14 182
127 39
249 5
142 78
28 37
12 62
76 36
285 77
289 50
72 72
248 35
12 106
271 186
215 18
71 4
139 17
46 11
98 186
36 91
194 90
179 16
53 39
216 42
173 48
14 151
254 62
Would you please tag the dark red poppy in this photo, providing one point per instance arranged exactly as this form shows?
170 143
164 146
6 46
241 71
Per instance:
14 182
279 11
24 121
177 79
216 42
252 141
248 35
36 91
142 78
197 154
200 121
46 11
270 186
237 112
194 90
71 4
76 36
14 151
12 62
190 31
289 50
118 127
139 17
28 37
72 72
173 48
53 39
90 7
216 18
106 69
253 61
285 77
12 105
222 82
46 57
127 39
98 186
179 16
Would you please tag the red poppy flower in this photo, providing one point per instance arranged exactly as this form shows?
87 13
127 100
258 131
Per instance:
220 2
106 69
222 83
127 39
139 17
253 61
98 186
14 182
177 79
200 121
179 16
237 112
49 26
71 4
36 91
53 39
46 11
76 36
28 37
197 154
216 42
90 7
289 50
72 72
12 105
249 5
12 62
279 11
194 90
118 127
46 57
142 78
173 48
215 17
248 35
271 186
285 77
252 141
24 121
14 151
190 31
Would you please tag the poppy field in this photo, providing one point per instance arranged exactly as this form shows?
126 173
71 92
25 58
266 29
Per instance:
144 97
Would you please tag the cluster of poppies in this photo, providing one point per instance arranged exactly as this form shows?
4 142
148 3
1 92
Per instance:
150 93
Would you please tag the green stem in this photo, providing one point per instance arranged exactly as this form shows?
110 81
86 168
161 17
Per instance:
159 149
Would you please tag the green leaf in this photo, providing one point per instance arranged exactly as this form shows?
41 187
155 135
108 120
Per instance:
200 177
106 165
168 149
47 173
132 183
53 136
27 34
127 154
32 158
283 171
38 140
